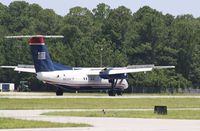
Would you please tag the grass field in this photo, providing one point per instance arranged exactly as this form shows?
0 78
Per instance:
95 103
10 123
172 114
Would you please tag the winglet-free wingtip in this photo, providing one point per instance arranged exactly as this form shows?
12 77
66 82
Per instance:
164 67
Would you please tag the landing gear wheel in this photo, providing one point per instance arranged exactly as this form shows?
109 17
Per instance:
59 92
111 93
119 93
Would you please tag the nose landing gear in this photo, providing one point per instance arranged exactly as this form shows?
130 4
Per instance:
59 92
113 91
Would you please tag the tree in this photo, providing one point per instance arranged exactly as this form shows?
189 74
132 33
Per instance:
81 17
117 36
116 25
48 22
184 36
152 32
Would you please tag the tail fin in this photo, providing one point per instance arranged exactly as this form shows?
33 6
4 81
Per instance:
40 54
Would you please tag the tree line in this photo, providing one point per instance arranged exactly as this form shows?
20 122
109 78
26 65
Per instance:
118 36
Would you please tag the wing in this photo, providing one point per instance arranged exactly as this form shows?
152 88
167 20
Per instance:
128 69
21 68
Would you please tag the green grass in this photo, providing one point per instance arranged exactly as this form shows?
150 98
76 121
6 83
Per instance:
172 114
10 123
95 103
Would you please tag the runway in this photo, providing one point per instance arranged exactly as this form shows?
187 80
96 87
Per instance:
103 124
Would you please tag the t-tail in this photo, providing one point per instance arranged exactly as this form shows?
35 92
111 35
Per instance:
39 51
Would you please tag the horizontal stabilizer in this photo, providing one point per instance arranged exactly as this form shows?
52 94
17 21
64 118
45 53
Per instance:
21 68
9 67
30 36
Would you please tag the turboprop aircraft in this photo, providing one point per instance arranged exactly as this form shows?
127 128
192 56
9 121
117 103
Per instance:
112 79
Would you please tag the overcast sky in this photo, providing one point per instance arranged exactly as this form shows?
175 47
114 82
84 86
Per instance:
174 7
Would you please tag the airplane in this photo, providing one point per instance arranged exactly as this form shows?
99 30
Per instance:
111 79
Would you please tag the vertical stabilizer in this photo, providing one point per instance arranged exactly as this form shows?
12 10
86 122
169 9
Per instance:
40 54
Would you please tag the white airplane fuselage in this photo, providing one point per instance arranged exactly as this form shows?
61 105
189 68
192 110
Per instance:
112 79
77 79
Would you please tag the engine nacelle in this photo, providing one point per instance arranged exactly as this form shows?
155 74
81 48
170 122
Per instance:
105 75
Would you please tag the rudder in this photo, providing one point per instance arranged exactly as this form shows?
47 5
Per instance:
40 54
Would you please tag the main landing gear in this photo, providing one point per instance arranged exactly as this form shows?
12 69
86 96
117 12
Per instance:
113 91
59 92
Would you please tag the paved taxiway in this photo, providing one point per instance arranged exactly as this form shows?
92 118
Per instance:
104 124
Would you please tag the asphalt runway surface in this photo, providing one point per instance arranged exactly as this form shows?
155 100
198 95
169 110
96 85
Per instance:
103 124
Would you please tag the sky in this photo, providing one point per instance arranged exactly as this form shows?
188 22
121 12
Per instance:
173 7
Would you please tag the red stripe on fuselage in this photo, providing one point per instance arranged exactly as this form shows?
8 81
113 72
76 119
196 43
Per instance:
36 41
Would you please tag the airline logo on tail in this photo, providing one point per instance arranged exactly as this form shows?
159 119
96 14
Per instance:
41 55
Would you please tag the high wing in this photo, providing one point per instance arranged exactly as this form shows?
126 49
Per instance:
97 71
21 68
124 70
